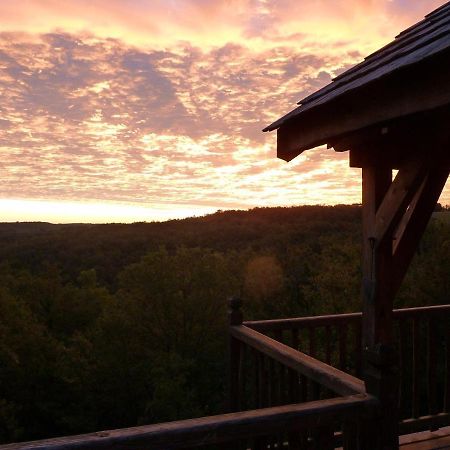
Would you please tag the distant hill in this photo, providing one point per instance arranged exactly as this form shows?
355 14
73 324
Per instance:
110 247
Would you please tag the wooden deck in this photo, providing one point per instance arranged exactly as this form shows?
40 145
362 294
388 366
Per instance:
427 440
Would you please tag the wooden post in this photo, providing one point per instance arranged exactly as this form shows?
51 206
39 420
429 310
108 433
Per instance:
235 347
380 374
395 214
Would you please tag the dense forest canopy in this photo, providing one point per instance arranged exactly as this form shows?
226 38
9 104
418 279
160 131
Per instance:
105 326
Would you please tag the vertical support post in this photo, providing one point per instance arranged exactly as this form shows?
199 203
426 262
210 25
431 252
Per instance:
380 372
235 347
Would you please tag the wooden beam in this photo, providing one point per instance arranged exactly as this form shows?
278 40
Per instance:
395 141
377 300
398 197
417 218
407 216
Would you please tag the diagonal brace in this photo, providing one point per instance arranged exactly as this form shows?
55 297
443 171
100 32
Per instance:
398 197
415 221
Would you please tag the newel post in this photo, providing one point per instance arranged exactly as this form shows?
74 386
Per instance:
234 319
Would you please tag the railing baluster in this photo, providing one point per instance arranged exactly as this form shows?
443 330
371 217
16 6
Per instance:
278 334
257 378
235 347
292 386
243 388
295 341
258 443
416 369
273 397
431 367
403 367
293 376
294 442
328 344
282 384
312 341
272 389
447 372
358 349
316 391
342 346
350 432
304 444
262 381
303 389
323 438
280 441
315 388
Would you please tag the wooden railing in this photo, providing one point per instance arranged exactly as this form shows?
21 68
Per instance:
424 350
285 392
265 372
423 337
247 430
283 375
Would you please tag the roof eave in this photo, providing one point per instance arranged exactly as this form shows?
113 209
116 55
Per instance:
386 99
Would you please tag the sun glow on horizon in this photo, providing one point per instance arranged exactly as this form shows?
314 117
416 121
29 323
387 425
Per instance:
14 210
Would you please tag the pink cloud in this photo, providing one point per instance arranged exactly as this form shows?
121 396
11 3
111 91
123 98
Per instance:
152 23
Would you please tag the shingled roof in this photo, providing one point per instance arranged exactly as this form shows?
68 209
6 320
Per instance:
415 53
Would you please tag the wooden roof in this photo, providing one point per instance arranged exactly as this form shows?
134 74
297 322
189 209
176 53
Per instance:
408 76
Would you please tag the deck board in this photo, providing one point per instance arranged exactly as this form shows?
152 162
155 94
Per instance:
427 440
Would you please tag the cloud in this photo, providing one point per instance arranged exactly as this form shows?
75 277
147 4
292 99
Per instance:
159 23
88 116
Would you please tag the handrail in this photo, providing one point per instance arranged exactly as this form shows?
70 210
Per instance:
297 322
413 312
213 429
340 382
317 321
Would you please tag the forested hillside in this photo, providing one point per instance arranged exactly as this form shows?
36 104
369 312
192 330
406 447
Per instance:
105 326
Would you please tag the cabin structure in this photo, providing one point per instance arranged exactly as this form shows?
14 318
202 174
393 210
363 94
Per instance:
378 379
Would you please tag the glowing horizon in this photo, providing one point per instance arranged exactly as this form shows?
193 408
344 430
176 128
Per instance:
127 110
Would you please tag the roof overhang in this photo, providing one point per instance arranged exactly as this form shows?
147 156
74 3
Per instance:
403 93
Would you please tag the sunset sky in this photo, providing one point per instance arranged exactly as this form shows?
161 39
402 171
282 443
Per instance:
133 110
